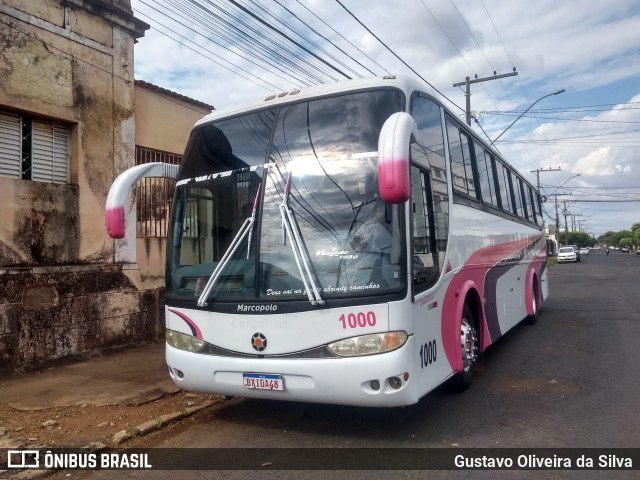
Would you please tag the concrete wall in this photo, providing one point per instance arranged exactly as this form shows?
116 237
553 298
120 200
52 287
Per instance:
66 289
163 122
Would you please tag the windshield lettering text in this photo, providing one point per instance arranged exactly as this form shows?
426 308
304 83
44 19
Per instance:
257 308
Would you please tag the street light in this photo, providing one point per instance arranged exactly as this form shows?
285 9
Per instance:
565 207
564 183
557 92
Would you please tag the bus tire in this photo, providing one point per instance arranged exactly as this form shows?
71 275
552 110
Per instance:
468 349
533 318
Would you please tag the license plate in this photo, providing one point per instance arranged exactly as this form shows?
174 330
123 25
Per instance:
263 381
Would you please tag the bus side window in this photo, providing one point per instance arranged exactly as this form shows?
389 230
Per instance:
517 196
486 177
538 204
526 209
505 189
428 153
461 166
534 213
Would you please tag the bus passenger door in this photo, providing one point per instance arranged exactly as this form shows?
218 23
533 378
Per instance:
425 260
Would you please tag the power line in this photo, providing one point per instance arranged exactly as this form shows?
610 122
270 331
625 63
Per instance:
586 120
154 20
396 55
344 38
284 35
242 34
327 40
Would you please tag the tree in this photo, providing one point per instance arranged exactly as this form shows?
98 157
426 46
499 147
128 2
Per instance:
613 238
635 230
625 242
581 239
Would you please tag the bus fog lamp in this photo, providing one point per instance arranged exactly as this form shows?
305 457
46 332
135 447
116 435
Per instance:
395 382
375 384
183 341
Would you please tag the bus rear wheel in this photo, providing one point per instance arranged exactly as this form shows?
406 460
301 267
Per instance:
469 349
533 318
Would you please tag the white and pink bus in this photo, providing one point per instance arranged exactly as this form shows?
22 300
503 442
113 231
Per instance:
351 243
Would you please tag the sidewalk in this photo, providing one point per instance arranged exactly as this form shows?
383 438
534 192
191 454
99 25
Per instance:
130 376
101 402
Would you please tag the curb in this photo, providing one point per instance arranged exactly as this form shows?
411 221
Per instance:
157 424
117 439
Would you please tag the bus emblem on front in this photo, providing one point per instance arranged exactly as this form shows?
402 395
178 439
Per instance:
259 341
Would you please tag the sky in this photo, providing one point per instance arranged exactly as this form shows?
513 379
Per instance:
584 142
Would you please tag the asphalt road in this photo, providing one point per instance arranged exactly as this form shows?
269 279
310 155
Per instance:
571 380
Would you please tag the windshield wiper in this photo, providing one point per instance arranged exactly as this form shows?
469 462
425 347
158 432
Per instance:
245 230
297 246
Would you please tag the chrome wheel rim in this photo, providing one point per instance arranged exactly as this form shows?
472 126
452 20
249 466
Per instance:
469 342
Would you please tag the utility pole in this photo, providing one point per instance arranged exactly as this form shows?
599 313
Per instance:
574 223
467 93
557 216
557 219
538 170
580 225
566 213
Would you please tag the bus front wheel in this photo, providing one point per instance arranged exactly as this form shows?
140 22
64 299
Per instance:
469 350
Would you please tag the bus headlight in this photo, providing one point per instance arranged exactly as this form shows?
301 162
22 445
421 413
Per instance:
184 341
368 344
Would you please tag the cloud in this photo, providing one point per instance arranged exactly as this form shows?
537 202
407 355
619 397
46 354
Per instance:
600 162
589 48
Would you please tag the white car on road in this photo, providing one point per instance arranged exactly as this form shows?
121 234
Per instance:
567 254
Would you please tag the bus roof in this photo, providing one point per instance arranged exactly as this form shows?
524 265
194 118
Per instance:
403 83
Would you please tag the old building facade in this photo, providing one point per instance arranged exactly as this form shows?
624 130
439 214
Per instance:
67 129
163 123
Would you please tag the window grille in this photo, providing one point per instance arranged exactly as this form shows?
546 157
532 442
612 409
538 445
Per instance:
154 196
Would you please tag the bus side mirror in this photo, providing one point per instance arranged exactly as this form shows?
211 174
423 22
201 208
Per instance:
114 209
393 157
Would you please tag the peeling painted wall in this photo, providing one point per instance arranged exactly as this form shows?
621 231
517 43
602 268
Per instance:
72 312
66 289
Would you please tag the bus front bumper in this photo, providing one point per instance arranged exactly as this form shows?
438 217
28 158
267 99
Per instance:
383 380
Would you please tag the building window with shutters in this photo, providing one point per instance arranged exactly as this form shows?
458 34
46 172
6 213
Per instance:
154 195
32 148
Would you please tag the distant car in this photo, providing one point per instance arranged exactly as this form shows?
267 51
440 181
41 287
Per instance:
577 250
584 251
624 250
419 270
567 254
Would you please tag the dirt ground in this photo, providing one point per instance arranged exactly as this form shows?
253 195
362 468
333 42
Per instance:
82 425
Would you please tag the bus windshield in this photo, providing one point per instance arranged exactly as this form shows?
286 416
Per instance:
306 174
